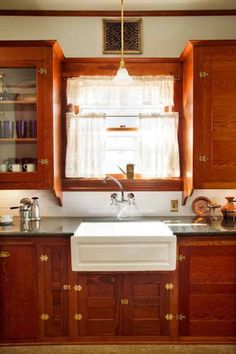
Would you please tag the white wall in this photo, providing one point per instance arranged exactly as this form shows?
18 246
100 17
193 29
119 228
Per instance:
82 37
98 203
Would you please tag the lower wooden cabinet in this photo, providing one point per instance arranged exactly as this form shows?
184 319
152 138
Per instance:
148 304
53 284
42 300
98 305
123 305
34 305
207 288
18 291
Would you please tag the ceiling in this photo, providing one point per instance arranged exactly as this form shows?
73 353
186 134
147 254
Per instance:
112 5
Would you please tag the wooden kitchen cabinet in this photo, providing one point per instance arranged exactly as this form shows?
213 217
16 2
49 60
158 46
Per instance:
18 291
113 305
30 109
43 300
209 90
54 289
207 288
34 289
98 304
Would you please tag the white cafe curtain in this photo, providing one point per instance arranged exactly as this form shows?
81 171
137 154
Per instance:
99 91
85 153
159 149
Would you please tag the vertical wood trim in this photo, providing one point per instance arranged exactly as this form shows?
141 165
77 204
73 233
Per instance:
187 123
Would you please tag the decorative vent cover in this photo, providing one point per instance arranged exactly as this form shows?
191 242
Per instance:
112 36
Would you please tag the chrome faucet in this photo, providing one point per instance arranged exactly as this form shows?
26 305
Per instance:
114 196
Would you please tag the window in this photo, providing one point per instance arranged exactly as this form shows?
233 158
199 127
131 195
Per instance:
120 125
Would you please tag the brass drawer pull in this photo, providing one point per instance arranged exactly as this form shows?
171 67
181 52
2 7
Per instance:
4 254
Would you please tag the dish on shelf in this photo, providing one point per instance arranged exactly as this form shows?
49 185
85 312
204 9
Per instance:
8 223
26 98
200 206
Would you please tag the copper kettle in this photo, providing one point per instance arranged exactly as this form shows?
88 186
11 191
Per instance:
229 209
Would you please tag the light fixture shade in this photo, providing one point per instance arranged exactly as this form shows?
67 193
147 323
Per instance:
122 77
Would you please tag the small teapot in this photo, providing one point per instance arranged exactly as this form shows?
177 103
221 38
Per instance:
229 209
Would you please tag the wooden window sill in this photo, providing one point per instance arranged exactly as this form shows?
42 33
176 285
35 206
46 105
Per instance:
97 185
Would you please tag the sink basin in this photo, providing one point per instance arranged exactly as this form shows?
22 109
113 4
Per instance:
123 246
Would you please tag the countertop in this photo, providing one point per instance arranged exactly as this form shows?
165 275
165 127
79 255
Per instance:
66 226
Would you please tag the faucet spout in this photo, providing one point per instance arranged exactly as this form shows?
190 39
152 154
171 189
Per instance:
118 184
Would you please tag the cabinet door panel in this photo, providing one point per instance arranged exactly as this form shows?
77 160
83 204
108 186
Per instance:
22 148
215 118
99 304
56 298
148 303
18 293
208 290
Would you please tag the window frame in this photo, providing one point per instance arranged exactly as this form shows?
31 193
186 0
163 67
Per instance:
73 67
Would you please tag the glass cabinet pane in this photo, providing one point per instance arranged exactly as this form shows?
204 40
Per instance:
18 120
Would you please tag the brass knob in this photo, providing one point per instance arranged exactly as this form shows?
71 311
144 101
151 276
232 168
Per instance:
4 254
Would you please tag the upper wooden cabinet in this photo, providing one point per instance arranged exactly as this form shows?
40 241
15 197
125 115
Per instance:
209 92
30 107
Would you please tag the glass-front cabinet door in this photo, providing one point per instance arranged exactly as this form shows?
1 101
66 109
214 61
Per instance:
19 123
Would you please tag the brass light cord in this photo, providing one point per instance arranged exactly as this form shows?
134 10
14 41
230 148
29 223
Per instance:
122 63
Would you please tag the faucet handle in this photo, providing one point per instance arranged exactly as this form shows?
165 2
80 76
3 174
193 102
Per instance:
113 198
131 196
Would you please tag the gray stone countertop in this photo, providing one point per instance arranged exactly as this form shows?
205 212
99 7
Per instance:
66 226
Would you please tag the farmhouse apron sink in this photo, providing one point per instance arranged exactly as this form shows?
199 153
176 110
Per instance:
123 246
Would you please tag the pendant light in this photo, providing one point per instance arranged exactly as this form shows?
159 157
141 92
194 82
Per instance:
122 76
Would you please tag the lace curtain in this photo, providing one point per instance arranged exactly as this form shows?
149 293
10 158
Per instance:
159 149
99 91
85 154
86 134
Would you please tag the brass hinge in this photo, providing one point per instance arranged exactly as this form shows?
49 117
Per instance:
180 317
203 158
177 78
169 317
66 287
181 257
44 257
78 317
203 74
77 287
42 71
169 286
124 301
4 254
43 161
44 316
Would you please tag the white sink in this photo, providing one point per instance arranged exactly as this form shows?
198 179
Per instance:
123 246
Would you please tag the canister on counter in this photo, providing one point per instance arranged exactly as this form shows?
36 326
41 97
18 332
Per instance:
130 170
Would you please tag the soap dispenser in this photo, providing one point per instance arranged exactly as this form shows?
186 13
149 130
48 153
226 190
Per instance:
35 211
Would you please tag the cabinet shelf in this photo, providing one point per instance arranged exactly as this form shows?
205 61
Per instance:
6 102
18 140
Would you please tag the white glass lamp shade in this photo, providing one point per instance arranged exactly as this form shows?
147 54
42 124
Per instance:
122 77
